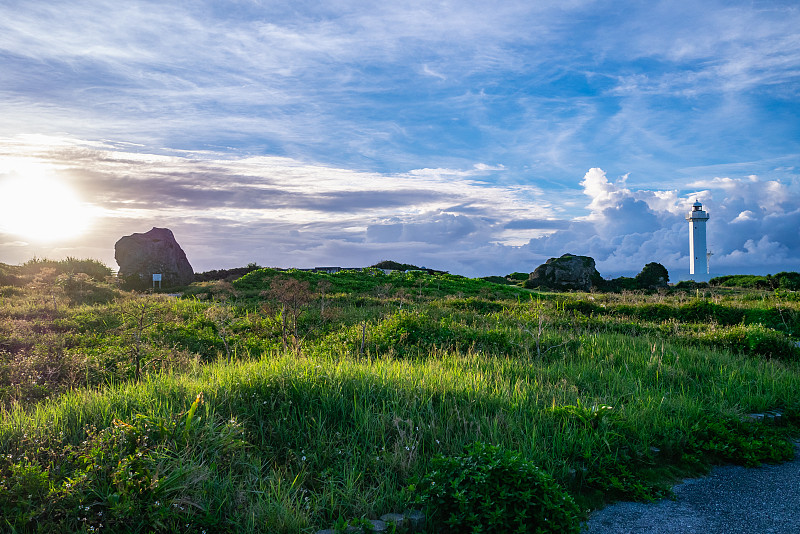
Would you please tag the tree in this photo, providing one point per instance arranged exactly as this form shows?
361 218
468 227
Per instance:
44 284
323 286
140 314
223 317
653 276
293 295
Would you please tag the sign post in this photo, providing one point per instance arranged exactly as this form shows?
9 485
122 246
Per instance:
157 278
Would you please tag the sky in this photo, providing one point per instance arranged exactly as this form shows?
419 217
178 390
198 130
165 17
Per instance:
478 138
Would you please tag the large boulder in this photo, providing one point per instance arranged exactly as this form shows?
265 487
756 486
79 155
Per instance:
566 272
140 256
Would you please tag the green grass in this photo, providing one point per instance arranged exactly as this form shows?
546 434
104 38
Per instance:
612 395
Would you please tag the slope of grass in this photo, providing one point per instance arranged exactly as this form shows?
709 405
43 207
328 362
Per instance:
238 422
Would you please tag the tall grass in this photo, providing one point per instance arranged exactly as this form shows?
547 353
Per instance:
612 395
339 436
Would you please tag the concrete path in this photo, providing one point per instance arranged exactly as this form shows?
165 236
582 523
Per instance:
731 500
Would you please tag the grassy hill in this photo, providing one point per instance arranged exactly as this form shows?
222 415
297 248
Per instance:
286 401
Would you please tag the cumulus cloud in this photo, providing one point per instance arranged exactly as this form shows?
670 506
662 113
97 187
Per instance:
753 226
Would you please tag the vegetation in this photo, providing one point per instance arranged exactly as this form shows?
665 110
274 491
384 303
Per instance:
783 280
288 401
395 266
225 274
489 489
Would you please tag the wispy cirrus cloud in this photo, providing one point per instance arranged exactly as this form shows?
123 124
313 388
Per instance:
287 205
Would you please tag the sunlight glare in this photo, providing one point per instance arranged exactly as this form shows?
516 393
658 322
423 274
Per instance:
41 208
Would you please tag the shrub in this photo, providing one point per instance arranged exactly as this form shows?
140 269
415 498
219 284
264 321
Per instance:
623 283
739 442
9 275
754 339
497 280
410 334
581 306
790 280
784 280
653 275
22 485
649 312
491 490
96 270
698 311
136 476
684 285
783 294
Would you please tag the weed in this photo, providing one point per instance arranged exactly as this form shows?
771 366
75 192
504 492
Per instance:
491 490
592 417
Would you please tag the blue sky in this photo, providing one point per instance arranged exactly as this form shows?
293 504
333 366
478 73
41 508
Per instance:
481 139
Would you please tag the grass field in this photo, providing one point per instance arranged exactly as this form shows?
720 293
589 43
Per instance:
293 401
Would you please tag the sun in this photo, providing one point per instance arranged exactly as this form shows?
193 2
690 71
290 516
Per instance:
41 208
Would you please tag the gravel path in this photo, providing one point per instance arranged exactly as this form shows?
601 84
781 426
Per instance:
731 500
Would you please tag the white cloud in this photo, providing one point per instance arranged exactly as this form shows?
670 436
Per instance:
235 208
627 228
430 72
746 215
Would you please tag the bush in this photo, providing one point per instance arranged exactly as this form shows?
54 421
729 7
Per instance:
704 311
653 275
790 280
648 312
497 280
754 339
406 334
226 274
784 280
623 283
582 306
685 285
491 490
739 442
136 476
9 275
96 270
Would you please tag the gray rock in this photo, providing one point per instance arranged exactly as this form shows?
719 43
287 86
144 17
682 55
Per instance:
774 417
140 256
566 272
378 525
416 520
399 520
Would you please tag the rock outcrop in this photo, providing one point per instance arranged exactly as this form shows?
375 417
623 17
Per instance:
566 272
140 256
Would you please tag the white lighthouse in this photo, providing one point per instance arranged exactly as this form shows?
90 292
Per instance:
698 258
